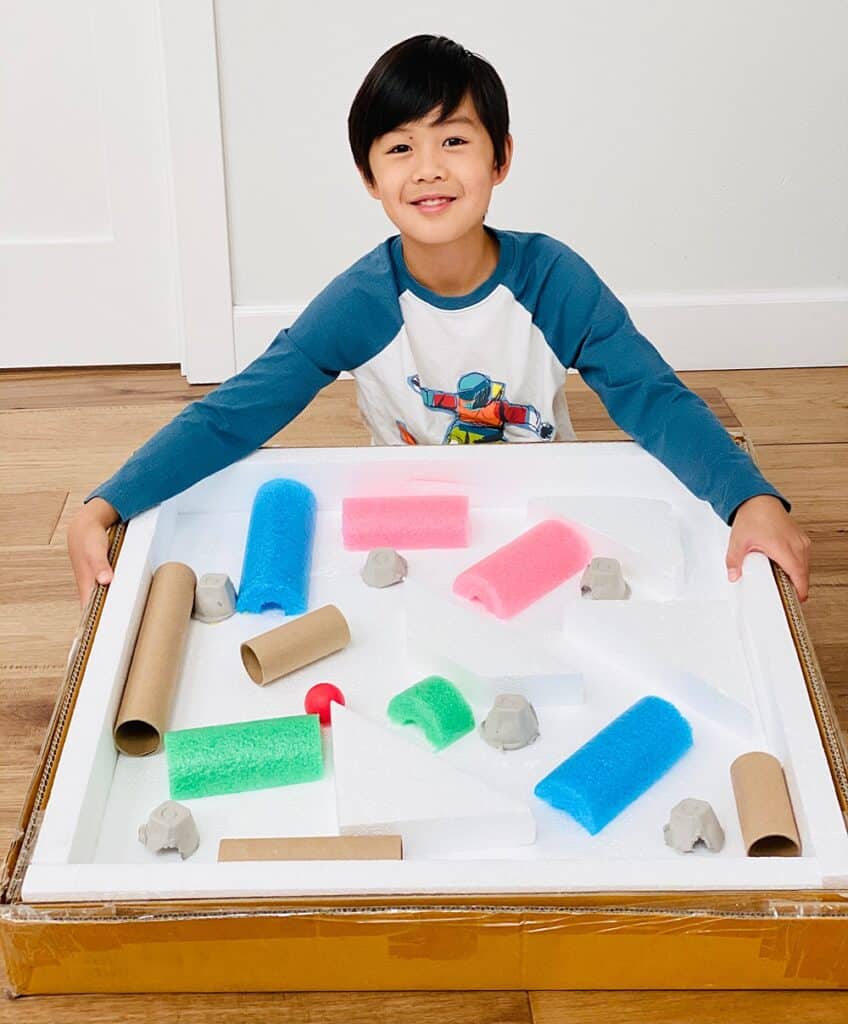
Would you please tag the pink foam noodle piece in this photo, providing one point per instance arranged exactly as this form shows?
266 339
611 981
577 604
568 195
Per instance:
510 579
406 521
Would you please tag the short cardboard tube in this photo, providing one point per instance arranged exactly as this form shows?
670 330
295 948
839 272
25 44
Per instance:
294 644
156 662
764 807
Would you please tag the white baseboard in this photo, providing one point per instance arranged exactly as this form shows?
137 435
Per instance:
723 331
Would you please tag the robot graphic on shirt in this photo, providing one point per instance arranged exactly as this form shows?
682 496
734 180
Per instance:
480 411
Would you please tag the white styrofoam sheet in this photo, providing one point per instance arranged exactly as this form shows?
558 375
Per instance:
88 848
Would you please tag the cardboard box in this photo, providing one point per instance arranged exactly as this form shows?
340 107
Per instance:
791 938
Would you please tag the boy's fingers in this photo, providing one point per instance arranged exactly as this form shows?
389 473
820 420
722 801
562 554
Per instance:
796 569
99 563
736 551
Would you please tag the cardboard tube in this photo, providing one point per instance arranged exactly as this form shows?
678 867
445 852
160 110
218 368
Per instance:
764 808
156 661
312 848
294 644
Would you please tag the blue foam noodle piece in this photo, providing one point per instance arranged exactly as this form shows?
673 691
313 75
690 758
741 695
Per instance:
618 764
278 553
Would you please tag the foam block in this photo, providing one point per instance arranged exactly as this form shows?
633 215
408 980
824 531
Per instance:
385 786
437 707
513 577
278 553
688 651
618 764
406 521
241 756
482 655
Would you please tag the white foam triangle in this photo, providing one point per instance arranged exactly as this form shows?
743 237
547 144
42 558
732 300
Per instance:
386 785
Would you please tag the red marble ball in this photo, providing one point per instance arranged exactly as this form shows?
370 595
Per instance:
319 698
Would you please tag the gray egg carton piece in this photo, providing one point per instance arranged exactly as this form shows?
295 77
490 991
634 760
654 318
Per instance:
602 580
170 827
214 597
384 567
693 821
511 724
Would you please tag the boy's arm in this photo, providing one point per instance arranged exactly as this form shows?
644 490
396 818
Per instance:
594 334
219 429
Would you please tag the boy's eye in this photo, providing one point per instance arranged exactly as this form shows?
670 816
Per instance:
453 138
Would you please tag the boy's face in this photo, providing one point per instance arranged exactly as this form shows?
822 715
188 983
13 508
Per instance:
455 159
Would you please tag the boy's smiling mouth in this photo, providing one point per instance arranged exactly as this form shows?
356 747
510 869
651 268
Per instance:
433 203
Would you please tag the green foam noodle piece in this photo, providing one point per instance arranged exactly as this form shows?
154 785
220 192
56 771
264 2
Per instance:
241 756
435 705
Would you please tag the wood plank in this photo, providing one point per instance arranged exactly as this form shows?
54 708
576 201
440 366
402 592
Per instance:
807 406
84 387
29 517
26 704
675 1007
592 422
276 1008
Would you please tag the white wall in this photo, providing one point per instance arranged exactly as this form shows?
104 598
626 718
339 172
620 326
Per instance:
694 153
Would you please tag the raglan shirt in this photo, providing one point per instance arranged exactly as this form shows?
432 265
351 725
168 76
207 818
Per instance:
434 369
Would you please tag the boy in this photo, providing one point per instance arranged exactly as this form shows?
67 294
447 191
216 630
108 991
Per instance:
455 332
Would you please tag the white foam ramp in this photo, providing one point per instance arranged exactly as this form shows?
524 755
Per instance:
476 652
641 533
690 650
387 785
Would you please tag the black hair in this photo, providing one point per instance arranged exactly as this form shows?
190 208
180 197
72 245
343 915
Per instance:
413 78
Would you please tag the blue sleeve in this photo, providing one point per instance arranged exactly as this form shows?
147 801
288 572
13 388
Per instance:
592 331
334 332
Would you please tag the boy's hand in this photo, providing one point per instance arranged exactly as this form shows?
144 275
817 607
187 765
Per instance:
88 545
763 524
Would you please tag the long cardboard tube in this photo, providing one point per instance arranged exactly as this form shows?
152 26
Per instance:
156 661
312 848
294 644
764 808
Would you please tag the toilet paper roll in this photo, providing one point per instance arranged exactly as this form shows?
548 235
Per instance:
156 662
294 644
764 808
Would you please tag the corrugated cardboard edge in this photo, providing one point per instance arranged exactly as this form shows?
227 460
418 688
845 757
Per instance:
820 699
660 914
29 820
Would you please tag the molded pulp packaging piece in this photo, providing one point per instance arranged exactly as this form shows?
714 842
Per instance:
693 821
384 567
765 810
214 598
278 553
511 724
170 827
294 644
156 662
602 580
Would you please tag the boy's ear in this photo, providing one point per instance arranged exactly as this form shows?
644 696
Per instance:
504 170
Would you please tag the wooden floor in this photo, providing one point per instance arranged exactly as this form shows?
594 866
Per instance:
62 432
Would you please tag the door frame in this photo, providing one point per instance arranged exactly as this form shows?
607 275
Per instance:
198 192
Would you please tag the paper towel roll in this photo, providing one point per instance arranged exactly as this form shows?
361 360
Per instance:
764 808
294 644
156 662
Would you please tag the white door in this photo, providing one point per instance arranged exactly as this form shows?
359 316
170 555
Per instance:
88 262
